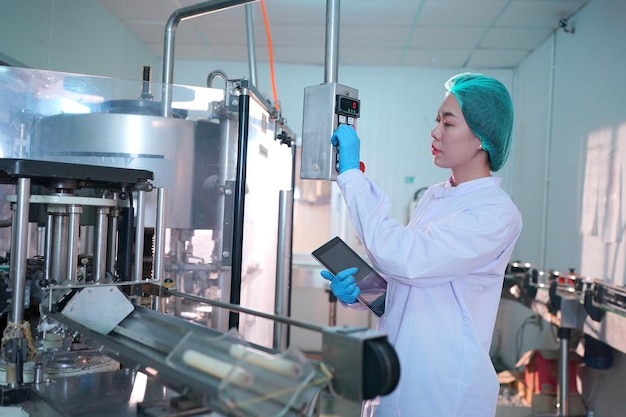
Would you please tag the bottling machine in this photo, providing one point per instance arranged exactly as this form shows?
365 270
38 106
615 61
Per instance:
147 256
146 232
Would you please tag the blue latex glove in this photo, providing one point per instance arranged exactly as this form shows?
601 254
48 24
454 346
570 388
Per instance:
343 285
348 145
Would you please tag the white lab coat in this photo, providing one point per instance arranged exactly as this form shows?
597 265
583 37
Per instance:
445 272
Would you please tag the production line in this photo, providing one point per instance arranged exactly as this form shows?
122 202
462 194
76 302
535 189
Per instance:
150 251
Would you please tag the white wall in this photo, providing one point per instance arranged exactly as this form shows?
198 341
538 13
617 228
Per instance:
570 106
74 36
571 95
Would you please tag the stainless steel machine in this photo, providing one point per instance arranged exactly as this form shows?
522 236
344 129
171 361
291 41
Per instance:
147 242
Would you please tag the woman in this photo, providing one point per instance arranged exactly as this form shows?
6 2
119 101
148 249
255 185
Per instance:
445 268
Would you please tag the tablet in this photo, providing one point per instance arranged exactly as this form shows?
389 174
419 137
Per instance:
336 255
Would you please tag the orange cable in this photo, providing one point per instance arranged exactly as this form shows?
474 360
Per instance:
271 54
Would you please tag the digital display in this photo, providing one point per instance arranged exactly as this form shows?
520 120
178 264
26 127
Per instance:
348 106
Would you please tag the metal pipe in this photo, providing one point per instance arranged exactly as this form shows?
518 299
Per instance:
73 227
175 18
239 205
244 310
86 239
251 44
48 248
59 248
159 234
139 232
19 246
112 238
215 74
283 267
331 62
563 387
41 241
100 243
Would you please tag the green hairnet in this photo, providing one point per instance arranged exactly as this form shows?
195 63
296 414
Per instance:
488 111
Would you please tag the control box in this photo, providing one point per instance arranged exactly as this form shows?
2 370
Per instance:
326 106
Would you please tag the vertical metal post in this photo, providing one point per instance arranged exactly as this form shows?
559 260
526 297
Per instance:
251 46
112 237
58 270
331 62
283 267
41 241
73 227
100 243
159 234
139 232
19 247
48 248
563 386
239 205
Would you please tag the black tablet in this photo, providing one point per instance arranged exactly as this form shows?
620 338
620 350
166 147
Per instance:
336 255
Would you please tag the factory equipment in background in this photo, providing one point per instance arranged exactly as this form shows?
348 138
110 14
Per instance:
149 252
138 236
587 313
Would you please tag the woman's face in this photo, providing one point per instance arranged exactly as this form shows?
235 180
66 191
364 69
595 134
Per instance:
454 145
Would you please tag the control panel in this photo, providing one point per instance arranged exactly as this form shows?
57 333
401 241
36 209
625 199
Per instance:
326 106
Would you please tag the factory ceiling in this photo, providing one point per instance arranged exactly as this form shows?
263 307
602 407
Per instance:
424 33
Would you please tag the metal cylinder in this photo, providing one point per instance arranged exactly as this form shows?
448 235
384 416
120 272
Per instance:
48 248
41 241
19 245
112 238
251 44
38 377
58 268
100 244
73 226
563 387
159 234
331 62
139 231
283 267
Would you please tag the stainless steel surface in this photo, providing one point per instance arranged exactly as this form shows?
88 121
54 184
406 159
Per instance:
159 237
100 243
152 143
283 268
153 340
47 273
331 61
99 308
73 227
251 44
82 395
19 248
563 385
112 237
140 217
319 156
